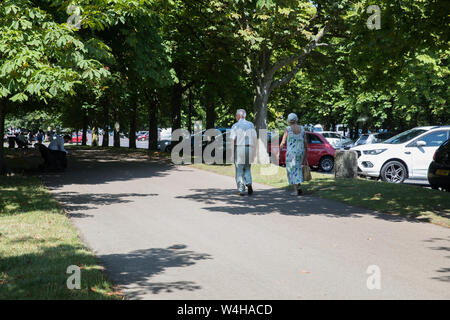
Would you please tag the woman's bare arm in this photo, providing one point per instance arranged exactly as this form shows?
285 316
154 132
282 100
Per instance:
283 142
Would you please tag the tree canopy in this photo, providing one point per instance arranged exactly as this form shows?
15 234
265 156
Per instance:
144 64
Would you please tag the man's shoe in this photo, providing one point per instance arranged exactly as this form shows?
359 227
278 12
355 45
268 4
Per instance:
299 192
249 189
241 194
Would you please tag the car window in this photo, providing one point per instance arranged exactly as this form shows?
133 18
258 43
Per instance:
362 139
384 135
331 135
376 139
446 145
313 139
405 136
435 139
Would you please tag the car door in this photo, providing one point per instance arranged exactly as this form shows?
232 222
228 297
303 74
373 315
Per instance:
421 156
314 149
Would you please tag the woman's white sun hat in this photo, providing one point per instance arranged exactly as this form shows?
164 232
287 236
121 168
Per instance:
292 117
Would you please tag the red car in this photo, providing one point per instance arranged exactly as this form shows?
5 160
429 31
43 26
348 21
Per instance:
74 138
143 137
320 152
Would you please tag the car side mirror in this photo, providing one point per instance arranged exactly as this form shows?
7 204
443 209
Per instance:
421 143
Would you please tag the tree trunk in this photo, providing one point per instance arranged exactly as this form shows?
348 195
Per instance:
365 128
177 99
132 135
260 108
105 142
153 106
85 123
2 134
116 128
190 111
210 109
260 104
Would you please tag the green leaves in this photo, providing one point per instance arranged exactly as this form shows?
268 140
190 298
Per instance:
265 4
40 57
19 97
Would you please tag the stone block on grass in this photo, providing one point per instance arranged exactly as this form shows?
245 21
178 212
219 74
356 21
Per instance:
346 164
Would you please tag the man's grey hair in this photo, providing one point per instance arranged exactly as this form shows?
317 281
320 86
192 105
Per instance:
241 112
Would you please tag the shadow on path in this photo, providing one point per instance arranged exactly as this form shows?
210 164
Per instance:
268 201
97 167
136 268
74 202
441 245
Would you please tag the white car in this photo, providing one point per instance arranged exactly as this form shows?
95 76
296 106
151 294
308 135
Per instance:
404 156
334 138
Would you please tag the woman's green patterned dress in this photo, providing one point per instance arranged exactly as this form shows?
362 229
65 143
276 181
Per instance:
294 155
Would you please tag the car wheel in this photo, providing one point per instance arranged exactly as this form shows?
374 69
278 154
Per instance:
326 164
394 172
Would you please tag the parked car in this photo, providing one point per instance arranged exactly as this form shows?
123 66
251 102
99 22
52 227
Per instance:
335 138
320 152
404 156
75 138
165 140
346 145
206 140
165 145
369 138
439 169
67 138
142 136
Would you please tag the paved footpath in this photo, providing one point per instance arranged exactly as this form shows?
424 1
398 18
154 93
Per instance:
169 232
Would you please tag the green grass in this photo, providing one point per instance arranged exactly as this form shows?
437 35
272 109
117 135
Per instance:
38 243
400 199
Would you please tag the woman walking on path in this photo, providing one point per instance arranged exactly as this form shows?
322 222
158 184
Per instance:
297 152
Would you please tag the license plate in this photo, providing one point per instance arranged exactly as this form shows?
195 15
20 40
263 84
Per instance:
441 172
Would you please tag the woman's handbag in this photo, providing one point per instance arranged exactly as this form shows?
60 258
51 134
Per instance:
306 173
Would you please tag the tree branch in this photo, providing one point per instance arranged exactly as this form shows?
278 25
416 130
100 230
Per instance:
325 45
300 57
286 61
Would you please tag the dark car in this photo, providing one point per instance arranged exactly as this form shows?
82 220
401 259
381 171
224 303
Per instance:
67 138
205 140
439 169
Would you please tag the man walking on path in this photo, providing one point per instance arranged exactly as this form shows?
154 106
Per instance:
243 141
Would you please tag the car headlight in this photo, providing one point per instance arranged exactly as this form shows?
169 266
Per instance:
374 152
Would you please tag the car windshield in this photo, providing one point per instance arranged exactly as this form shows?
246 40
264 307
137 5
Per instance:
362 139
405 136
